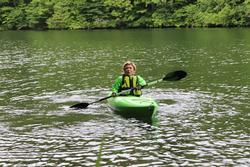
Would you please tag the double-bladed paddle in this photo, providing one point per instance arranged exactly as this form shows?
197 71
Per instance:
172 76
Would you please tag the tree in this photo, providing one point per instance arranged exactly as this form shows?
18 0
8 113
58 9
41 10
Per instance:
90 14
38 11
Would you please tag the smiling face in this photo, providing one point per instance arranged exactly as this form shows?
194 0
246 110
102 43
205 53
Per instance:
129 70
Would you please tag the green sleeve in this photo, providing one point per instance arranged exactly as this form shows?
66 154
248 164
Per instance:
117 84
141 81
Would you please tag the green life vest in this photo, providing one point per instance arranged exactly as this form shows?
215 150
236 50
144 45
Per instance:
129 82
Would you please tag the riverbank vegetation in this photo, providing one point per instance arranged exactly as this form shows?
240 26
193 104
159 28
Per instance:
92 14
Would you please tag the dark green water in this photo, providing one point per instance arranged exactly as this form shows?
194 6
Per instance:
203 120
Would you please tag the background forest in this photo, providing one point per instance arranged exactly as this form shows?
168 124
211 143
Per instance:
92 14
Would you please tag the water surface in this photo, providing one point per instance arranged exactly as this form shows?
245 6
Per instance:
203 120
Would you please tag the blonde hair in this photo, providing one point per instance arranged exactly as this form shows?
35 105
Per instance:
128 63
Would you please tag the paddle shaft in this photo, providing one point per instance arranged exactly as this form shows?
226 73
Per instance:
154 82
100 99
125 91
172 76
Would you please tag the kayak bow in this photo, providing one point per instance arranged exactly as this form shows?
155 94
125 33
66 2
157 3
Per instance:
134 107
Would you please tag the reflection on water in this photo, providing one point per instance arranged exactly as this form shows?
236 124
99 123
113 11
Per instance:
202 120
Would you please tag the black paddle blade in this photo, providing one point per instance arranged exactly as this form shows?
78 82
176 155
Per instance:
175 75
80 106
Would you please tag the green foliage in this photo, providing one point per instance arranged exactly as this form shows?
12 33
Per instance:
247 16
90 14
222 13
26 16
65 15
119 12
158 18
14 17
38 12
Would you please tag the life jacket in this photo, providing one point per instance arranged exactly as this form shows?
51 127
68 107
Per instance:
129 82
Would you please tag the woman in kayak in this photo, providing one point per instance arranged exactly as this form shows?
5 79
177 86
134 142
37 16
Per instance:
128 80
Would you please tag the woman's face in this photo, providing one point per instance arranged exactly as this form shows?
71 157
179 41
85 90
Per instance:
129 70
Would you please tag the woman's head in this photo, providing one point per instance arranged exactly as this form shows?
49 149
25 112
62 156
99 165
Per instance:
129 68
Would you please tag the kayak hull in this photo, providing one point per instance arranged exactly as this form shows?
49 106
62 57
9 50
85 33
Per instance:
134 107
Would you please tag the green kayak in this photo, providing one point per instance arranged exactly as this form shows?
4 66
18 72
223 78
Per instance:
134 107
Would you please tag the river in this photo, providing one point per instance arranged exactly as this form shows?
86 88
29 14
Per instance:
203 119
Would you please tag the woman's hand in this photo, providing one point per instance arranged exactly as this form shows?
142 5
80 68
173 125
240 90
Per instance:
139 87
113 94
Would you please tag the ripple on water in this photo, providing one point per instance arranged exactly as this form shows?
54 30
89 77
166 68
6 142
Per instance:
40 80
187 133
